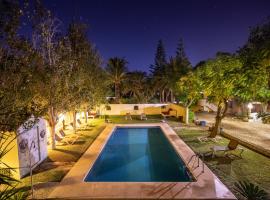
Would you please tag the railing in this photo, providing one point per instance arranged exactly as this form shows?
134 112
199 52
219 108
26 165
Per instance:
197 156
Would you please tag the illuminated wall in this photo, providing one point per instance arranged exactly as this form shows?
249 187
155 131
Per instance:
137 109
30 146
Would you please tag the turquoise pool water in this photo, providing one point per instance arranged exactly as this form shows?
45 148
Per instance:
138 155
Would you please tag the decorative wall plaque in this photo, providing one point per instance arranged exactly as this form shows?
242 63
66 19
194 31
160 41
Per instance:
23 145
42 134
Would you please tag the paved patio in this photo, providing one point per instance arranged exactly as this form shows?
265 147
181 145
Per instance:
252 134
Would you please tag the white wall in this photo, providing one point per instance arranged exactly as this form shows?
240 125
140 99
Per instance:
37 136
122 109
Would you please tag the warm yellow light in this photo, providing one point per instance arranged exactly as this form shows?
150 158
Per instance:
250 106
61 117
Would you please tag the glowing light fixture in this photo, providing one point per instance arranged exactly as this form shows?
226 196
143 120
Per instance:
250 106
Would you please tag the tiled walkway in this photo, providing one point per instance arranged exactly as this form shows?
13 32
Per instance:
252 134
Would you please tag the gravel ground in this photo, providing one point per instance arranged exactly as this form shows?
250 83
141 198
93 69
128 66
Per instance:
254 133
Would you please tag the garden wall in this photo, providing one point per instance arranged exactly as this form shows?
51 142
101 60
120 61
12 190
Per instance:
137 109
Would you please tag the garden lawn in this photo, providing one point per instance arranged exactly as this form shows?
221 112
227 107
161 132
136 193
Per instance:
117 119
253 167
61 160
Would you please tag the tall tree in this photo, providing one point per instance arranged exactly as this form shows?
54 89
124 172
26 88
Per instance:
16 64
135 86
221 78
190 88
255 55
158 69
16 99
176 68
160 60
86 80
52 74
182 61
116 70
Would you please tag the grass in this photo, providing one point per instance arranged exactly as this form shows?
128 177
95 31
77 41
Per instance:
61 160
253 167
135 119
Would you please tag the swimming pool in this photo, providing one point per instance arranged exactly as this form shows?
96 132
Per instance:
138 154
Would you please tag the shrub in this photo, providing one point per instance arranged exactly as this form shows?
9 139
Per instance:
250 191
191 116
265 117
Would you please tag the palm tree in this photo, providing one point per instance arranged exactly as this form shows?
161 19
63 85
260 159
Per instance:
135 85
116 70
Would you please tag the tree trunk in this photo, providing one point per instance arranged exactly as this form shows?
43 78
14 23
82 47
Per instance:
117 92
53 136
64 125
163 96
219 116
168 95
172 97
187 115
187 105
86 116
74 121
216 128
52 124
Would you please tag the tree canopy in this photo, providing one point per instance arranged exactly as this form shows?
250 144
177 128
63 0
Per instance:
255 55
221 79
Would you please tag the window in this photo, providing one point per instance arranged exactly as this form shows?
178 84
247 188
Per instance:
136 107
108 107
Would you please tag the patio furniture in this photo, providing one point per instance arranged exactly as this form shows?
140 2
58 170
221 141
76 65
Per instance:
70 136
107 119
207 138
226 150
83 125
166 114
63 140
128 116
143 116
92 115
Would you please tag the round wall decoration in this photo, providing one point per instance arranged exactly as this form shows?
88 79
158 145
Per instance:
42 134
23 145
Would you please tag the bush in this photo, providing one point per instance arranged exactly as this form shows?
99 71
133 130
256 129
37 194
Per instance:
265 117
250 191
191 116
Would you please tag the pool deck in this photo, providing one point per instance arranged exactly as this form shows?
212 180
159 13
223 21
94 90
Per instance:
206 186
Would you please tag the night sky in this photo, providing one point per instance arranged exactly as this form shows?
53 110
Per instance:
131 28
